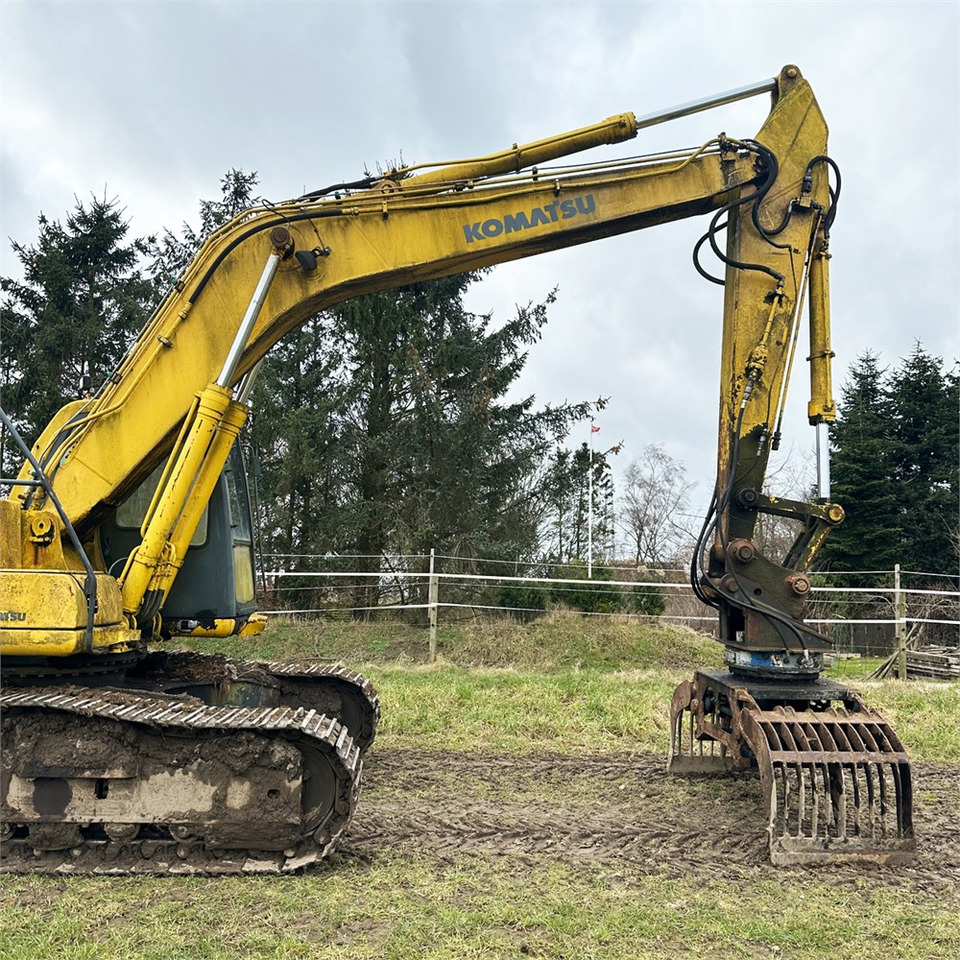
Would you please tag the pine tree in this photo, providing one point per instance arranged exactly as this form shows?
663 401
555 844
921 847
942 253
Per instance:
294 434
565 530
924 407
466 455
895 462
172 253
415 446
68 323
862 475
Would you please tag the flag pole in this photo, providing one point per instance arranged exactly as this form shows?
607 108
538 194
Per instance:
593 430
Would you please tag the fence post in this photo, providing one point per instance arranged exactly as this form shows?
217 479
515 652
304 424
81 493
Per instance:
900 628
433 597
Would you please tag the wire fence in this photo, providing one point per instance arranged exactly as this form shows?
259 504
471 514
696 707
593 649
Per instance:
865 612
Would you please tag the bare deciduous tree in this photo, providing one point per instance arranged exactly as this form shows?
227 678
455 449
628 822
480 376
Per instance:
792 478
655 493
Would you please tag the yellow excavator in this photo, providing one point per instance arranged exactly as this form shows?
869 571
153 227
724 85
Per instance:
128 523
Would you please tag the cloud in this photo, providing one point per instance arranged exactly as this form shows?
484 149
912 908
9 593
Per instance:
153 102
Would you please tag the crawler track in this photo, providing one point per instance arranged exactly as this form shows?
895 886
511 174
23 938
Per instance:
195 765
330 689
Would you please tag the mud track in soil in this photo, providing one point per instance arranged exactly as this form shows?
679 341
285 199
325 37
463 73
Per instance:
615 811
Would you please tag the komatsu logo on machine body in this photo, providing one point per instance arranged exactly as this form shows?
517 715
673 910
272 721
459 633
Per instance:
523 220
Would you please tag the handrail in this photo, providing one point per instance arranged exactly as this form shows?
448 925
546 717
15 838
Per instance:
40 480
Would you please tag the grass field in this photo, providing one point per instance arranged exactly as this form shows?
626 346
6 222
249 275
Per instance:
515 805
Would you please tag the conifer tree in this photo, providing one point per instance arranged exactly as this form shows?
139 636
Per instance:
67 324
172 253
424 448
894 468
861 471
924 408
567 485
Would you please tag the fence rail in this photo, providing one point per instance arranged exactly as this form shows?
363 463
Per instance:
871 620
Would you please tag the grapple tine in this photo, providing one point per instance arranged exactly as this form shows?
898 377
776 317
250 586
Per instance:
855 745
802 745
819 768
780 811
834 782
806 820
856 765
870 744
848 772
903 784
785 743
698 742
882 737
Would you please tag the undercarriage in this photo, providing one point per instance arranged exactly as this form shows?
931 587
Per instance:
188 764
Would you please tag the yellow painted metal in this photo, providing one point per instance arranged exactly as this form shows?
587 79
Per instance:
254 625
225 627
181 497
11 550
821 408
43 613
377 243
759 313
455 218
615 129
243 581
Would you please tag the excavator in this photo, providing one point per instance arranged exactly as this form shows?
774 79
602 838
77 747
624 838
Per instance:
128 524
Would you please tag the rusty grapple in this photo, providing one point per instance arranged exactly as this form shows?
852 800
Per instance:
835 777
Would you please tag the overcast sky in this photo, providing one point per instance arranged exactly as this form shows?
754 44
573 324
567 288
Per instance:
151 102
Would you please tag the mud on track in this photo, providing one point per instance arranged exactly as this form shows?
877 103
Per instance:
620 811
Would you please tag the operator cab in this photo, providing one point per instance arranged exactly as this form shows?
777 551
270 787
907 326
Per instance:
214 593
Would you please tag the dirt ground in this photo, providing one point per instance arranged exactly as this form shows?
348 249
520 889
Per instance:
619 811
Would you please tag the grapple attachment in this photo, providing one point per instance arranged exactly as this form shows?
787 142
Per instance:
835 777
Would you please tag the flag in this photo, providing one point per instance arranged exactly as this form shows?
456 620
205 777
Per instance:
594 429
